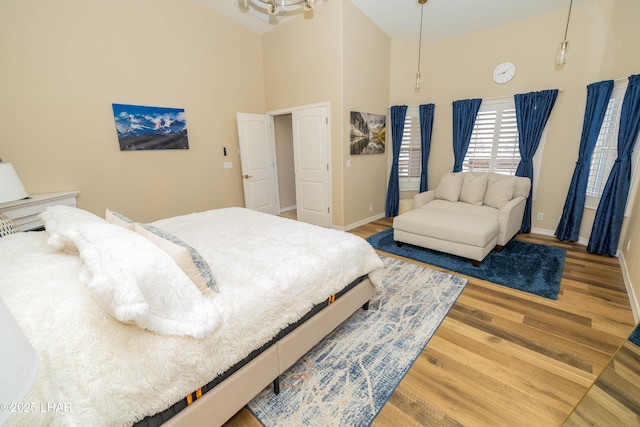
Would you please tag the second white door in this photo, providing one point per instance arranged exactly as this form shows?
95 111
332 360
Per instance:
311 164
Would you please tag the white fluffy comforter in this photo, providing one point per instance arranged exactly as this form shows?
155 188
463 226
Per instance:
270 271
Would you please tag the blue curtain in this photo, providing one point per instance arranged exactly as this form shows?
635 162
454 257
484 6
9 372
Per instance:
598 95
464 117
532 112
426 126
608 221
398 114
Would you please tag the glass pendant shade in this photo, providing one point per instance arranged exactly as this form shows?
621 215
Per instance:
561 55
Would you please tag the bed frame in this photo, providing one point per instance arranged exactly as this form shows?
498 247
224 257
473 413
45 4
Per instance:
223 401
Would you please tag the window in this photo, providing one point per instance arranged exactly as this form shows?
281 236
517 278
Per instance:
410 161
494 141
606 149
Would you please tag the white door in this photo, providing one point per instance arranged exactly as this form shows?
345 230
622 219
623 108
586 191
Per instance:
311 164
257 158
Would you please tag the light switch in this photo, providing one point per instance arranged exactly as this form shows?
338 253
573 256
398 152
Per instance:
228 165
348 163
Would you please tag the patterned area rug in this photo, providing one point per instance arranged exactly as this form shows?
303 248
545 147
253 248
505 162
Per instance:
528 267
348 377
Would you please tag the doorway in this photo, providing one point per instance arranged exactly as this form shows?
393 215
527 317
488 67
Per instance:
300 169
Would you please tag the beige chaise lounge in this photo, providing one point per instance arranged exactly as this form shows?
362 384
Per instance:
468 214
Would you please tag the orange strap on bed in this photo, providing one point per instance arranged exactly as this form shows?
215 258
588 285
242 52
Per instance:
190 398
331 299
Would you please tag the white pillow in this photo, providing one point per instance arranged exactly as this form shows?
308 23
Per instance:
118 219
187 258
473 188
499 191
449 187
137 282
62 217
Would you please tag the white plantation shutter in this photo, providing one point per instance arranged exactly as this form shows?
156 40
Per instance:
494 141
410 161
606 151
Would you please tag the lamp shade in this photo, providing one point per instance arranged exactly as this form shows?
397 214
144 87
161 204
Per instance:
18 359
10 186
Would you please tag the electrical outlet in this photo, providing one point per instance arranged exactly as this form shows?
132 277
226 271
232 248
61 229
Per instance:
628 245
370 208
540 216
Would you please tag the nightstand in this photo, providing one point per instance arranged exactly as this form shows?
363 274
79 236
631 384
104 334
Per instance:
25 212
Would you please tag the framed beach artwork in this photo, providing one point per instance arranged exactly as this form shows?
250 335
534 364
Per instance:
367 133
150 128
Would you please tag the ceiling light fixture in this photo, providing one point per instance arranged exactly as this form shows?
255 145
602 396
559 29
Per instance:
421 3
561 54
273 6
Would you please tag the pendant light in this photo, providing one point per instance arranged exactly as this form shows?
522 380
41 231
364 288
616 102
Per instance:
421 3
561 54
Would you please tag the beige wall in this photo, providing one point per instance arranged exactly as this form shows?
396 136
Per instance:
366 80
302 63
623 39
284 159
65 62
341 57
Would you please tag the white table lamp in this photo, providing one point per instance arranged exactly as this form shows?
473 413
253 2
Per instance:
11 188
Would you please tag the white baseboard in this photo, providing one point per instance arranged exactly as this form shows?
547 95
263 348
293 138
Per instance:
288 208
542 231
633 298
552 233
363 222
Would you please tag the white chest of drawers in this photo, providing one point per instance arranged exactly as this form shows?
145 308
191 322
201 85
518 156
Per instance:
25 212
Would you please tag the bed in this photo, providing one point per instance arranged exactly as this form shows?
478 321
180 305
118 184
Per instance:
200 311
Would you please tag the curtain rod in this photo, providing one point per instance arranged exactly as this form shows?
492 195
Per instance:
414 105
501 97
484 99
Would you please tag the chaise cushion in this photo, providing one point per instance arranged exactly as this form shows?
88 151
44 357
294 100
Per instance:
499 190
473 188
448 226
449 187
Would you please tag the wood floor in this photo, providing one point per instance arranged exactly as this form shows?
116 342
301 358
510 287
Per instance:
614 399
504 357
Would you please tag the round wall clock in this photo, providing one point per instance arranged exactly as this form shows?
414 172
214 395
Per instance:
504 72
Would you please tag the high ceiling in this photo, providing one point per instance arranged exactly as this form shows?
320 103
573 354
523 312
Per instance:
400 19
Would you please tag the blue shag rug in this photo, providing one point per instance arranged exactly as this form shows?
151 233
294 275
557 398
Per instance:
528 267
635 336
347 378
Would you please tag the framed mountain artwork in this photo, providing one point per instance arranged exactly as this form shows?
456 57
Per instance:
150 128
367 133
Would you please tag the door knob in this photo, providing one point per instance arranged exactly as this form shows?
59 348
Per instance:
248 176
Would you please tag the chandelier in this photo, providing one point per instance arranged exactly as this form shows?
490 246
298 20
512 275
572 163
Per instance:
273 6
